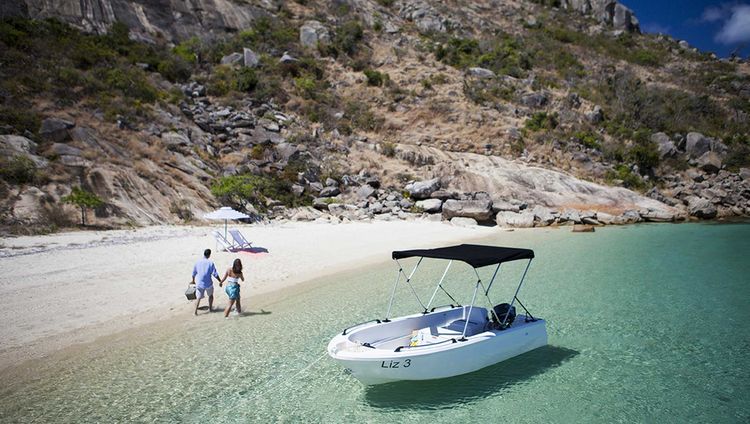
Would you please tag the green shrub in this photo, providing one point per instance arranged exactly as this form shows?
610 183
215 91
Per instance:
588 139
503 54
21 119
346 40
246 80
628 178
188 50
484 91
644 153
389 149
541 121
360 116
175 69
239 190
375 78
84 200
18 170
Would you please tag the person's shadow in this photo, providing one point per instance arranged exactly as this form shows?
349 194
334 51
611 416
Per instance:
253 313
449 392
253 250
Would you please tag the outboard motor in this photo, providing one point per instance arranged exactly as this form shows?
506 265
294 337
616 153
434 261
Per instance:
500 311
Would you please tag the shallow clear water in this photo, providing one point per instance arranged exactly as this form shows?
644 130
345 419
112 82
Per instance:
646 323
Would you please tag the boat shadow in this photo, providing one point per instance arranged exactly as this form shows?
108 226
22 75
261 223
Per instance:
448 392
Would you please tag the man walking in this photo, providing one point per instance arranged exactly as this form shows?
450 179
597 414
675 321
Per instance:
205 269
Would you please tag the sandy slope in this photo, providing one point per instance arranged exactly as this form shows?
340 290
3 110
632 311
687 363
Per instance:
62 289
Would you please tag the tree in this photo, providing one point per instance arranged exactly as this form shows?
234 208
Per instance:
84 200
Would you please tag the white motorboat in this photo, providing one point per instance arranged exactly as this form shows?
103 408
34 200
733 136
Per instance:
442 341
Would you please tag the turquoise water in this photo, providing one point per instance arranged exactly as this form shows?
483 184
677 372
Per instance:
646 323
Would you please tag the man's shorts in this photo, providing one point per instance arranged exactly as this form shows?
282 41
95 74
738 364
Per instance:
200 292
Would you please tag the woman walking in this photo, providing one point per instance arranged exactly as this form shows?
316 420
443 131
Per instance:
233 277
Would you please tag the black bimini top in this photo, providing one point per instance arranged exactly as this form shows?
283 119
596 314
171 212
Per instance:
473 254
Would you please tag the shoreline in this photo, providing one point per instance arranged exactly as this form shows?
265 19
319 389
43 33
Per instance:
73 288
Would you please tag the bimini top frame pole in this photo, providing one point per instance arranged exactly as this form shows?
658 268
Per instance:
439 284
512 301
408 281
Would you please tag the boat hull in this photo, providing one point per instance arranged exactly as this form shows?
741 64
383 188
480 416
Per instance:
377 366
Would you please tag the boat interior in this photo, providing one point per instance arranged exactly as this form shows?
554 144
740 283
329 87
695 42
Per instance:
422 330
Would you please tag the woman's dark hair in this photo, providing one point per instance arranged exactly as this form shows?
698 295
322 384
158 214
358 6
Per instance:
237 266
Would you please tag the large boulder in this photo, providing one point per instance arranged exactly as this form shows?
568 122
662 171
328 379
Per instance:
422 189
312 33
460 221
657 215
501 205
232 58
701 208
430 205
664 144
16 145
365 191
480 209
624 20
425 17
480 73
534 100
710 162
174 140
515 220
60 149
544 216
250 59
697 144
609 12
55 129
330 192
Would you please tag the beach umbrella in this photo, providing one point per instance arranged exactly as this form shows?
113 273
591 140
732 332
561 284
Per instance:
226 213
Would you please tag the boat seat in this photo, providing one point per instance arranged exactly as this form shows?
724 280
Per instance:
456 327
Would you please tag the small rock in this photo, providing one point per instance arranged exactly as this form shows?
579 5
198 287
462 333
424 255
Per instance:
287 58
596 115
583 228
297 190
373 182
330 182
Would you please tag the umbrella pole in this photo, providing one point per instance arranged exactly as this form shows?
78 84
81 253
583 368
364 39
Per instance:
225 228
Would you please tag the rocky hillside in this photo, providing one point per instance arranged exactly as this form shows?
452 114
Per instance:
516 112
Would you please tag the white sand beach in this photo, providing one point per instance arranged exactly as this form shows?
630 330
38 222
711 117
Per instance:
62 289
